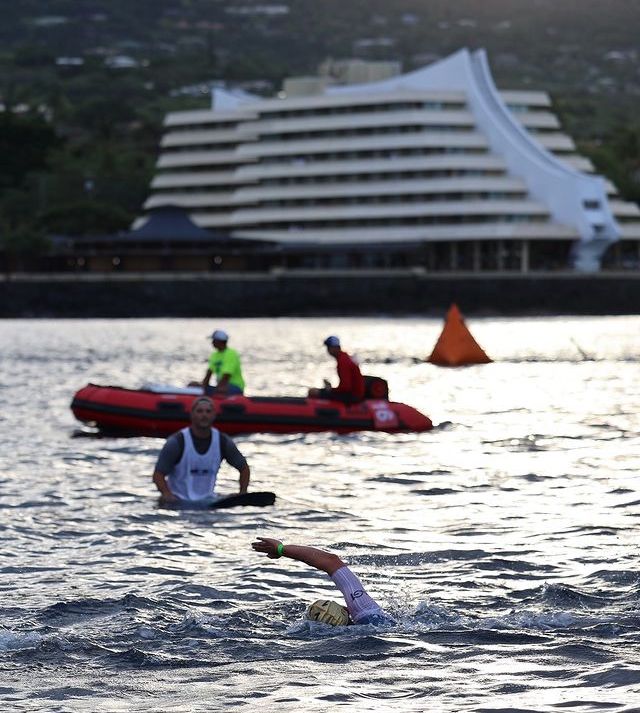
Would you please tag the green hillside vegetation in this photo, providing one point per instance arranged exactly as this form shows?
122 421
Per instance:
84 85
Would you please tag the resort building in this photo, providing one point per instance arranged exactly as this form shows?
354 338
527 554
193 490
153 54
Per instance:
435 169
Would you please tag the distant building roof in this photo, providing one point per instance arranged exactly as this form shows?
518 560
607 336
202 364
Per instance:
169 226
173 224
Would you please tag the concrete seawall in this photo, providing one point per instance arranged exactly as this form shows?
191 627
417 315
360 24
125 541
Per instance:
313 293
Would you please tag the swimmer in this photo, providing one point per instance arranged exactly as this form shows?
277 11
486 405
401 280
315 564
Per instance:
360 609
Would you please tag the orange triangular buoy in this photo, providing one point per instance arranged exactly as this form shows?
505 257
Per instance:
456 346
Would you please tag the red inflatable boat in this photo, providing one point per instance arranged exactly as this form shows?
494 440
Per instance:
162 410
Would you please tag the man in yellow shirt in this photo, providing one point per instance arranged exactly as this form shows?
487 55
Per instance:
224 363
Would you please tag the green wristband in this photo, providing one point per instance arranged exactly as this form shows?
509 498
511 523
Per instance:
280 550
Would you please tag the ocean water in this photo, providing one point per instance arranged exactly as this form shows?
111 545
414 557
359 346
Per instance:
505 541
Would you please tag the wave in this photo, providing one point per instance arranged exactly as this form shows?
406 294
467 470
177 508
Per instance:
18 641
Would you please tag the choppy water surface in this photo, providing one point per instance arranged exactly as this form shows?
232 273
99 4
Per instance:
505 541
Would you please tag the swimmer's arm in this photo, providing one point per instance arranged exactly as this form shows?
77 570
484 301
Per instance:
161 483
169 455
233 456
245 475
324 561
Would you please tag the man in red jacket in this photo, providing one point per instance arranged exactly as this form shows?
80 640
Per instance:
351 387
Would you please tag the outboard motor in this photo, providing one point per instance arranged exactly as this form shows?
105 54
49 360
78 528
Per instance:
375 388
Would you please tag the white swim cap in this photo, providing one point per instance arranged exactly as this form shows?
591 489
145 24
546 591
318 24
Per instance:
328 612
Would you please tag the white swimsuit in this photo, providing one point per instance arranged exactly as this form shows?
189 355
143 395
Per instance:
194 475
361 607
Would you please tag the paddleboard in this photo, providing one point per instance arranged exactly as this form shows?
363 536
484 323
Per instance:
255 499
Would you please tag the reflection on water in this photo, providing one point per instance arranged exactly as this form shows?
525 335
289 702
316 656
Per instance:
503 541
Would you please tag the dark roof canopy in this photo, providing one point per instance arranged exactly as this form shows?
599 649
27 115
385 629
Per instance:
169 227
171 223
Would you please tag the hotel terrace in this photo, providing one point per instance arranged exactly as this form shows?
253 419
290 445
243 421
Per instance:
368 168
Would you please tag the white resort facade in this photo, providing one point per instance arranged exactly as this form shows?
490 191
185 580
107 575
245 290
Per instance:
435 169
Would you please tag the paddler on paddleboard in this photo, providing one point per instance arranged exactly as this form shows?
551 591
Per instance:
188 464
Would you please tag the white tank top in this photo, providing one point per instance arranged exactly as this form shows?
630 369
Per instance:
194 476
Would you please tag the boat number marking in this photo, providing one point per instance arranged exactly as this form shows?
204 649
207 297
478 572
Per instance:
383 416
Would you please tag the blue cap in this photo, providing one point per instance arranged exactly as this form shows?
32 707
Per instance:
220 336
331 342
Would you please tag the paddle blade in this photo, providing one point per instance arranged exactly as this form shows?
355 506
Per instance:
256 499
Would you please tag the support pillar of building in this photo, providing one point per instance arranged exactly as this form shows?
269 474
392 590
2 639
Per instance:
524 256
500 255
476 256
